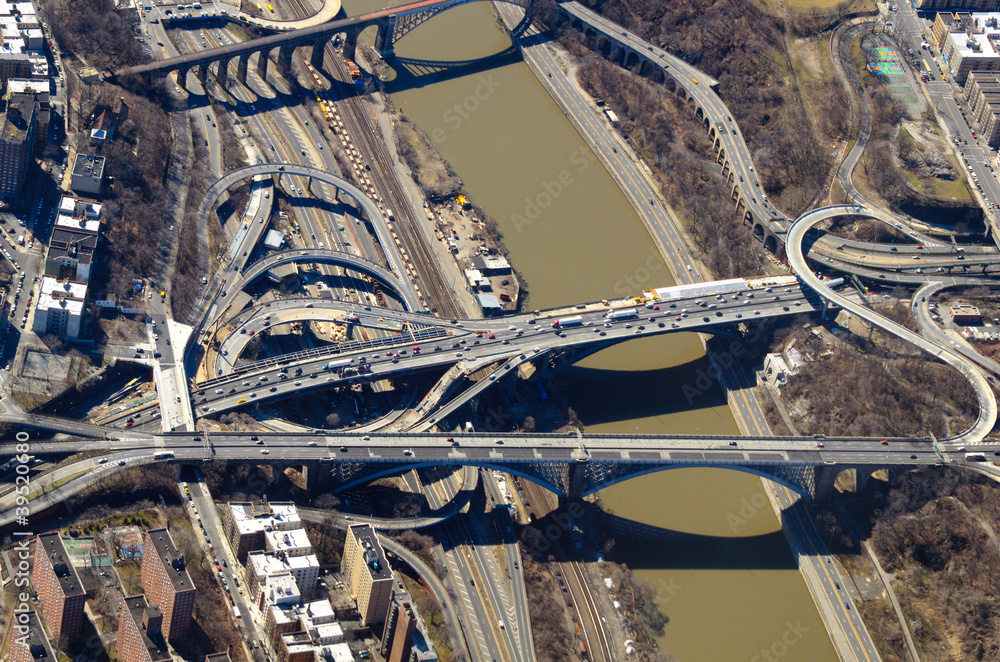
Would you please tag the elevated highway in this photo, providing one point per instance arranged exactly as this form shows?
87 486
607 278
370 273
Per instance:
448 342
796 258
330 256
573 465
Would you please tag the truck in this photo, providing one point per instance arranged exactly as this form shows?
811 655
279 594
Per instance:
20 239
567 321
236 612
164 455
353 70
623 314
337 365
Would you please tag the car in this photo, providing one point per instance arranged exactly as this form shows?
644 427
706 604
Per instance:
492 336
343 449
264 451
407 452
819 444
103 460
913 457
884 442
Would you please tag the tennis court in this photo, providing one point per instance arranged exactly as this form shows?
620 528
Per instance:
82 553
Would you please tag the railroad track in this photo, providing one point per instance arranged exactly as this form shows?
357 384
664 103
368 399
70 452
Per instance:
592 634
383 172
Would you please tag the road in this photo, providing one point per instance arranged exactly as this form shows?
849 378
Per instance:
987 400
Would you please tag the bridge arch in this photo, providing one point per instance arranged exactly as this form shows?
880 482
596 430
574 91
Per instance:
404 23
802 485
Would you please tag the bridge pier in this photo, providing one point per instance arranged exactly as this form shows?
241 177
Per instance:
826 477
351 44
575 480
182 76
383 38
241 69
285 60
222 73
311 472
203 77
262 57
318 51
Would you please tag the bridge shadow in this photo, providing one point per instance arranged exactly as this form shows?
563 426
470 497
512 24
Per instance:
616 395
650 547
412 73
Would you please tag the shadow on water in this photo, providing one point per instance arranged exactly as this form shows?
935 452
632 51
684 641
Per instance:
412 73
642 393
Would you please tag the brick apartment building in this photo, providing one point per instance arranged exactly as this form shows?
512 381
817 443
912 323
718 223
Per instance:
167 584
59 588
28 642
140 632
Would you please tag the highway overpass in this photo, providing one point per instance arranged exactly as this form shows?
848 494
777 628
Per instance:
570 465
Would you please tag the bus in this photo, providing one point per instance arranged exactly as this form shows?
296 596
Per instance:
270 8
164 455
259 7
975 457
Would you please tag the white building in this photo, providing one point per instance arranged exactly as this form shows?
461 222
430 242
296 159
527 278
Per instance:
60 307
294 542
304 568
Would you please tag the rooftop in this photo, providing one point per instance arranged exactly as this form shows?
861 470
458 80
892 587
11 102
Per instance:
170 557
250 518
289 540
337 653
155 645
267 563
54 548
89 165
63 289
374 556
20 110
74 244
218 657
36 640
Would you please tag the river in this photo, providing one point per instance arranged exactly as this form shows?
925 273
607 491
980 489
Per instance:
734 591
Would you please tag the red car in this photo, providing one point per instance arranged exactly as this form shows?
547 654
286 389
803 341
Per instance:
129 424
884 442
920 246
493 336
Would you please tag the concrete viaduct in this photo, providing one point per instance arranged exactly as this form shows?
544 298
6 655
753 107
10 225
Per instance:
392 24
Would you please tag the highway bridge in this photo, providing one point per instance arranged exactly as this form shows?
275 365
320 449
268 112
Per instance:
474 341
392 24
570 465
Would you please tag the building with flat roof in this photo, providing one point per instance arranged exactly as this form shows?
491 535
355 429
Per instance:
140 632
166 582
218 657
965 44
405 637
79 214
965 314
982 92
59 589
17 143
245 524
88 173
60 307
71 254
368 575
290 542
28 642
263 565
13 64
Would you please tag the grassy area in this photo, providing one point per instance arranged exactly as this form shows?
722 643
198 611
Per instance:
948 190
130 575
802 6
48 487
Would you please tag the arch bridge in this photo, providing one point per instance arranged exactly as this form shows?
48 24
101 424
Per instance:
392 24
